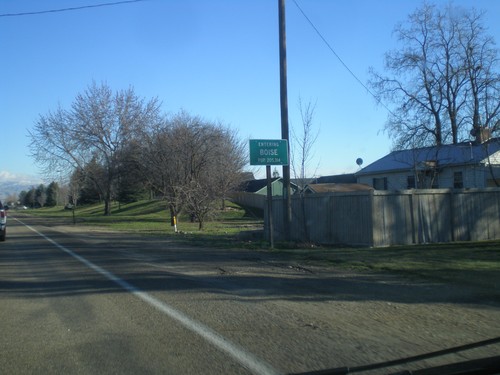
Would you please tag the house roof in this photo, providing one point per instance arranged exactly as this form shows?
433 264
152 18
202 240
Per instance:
302 181
437 156
329 188
348 178
253 186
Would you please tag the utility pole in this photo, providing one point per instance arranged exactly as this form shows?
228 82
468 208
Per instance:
287 202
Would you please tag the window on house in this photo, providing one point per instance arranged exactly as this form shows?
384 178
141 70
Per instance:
410 182
428 179
380 183
458 180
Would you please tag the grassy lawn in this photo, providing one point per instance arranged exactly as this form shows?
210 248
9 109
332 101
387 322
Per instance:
471 263
475 263
153 218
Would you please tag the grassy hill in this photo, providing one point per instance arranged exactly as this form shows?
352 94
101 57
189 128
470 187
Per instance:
234 223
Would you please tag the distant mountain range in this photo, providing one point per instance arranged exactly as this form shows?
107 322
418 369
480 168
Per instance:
13 184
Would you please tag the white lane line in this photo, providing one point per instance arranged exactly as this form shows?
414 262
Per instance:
245 358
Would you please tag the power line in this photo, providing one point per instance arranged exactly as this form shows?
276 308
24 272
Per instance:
69 9
338 57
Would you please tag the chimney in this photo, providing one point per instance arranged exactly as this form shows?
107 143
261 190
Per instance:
481 133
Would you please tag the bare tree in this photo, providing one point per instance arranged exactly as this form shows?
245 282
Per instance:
230 154
95 130
443 81
221 162
191 163
303 150
160 165
303 143
12 199
209 158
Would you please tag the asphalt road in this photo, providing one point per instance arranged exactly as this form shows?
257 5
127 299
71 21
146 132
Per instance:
77 302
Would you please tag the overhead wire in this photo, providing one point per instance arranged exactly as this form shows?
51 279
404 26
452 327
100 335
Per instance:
69 9
339 58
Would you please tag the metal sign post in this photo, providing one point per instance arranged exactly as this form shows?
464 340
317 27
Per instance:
270 206
269 152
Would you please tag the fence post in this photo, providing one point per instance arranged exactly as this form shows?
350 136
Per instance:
374 231
414 231
452 214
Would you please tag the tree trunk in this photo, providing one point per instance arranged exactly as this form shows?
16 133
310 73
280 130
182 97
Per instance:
107 206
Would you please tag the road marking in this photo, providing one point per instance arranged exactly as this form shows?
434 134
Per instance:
242 356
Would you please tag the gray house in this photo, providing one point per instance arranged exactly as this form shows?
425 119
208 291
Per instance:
464 165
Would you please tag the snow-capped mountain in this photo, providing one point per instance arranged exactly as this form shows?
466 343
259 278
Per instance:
12 184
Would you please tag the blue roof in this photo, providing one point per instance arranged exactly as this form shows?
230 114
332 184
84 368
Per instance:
444 155
347 178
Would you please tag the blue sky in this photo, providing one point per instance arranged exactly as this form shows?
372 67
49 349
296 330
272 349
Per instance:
217 59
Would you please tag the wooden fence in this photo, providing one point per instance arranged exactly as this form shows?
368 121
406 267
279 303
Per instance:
384 218
249 199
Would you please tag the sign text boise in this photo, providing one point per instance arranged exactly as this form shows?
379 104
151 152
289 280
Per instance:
268 152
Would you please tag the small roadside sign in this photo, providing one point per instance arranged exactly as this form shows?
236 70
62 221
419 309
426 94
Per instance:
268 152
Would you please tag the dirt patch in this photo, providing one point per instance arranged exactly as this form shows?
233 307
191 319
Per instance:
370 317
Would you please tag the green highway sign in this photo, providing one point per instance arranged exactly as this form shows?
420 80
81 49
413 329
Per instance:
268 152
